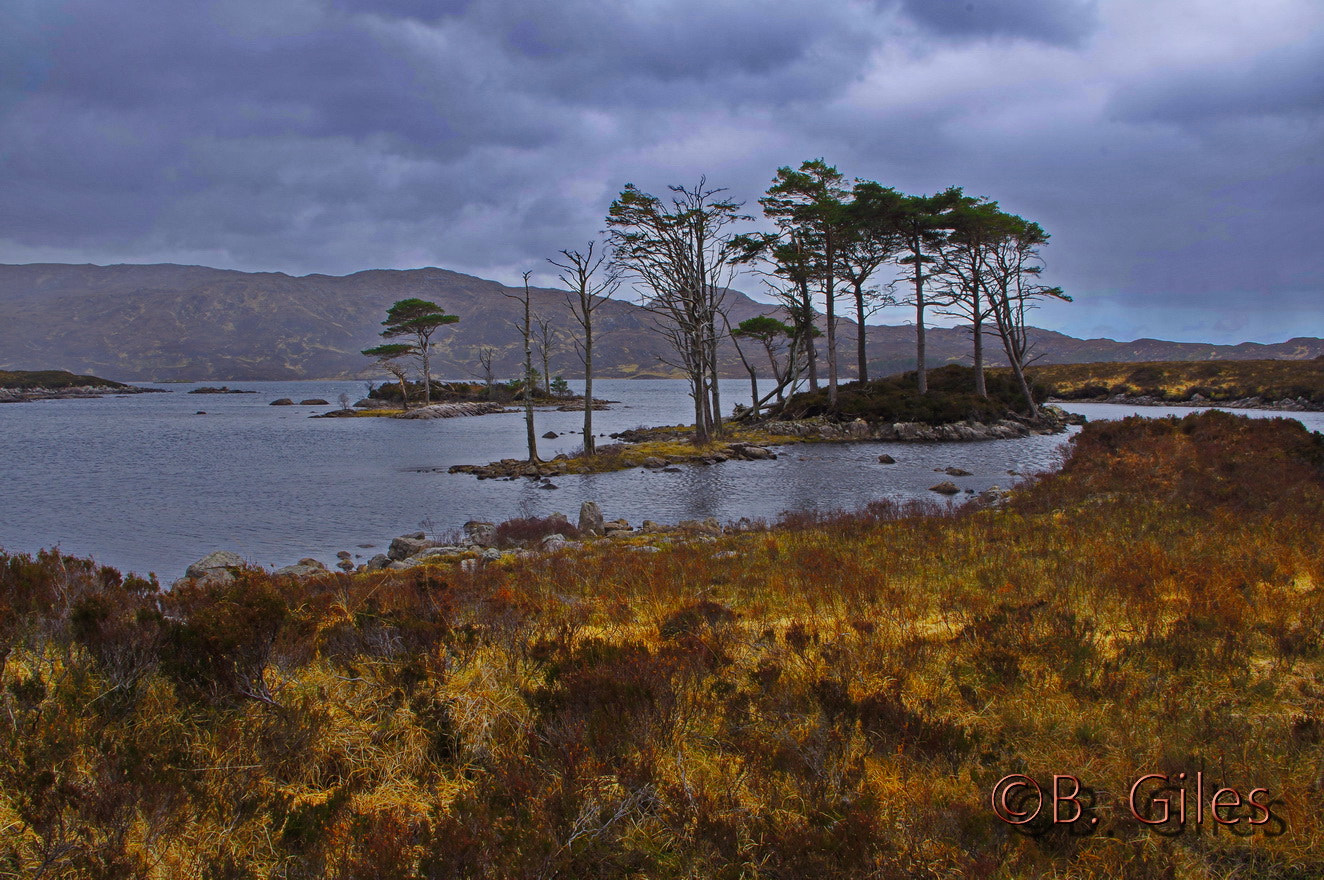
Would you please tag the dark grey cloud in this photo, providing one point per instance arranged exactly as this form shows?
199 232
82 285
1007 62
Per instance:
1063 22
1159 148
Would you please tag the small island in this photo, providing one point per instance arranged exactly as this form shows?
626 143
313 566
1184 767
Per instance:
18 386
890 409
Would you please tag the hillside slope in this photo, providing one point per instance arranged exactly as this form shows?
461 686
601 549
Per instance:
170 322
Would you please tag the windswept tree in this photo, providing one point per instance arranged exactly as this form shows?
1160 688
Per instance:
590 279
1013 266
808 205
974 226
868 243
389 356
681 252
918 222
768 332
419 319
787 267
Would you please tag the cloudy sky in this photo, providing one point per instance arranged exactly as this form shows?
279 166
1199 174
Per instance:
1172 148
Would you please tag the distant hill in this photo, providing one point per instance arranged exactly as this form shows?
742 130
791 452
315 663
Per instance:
168 322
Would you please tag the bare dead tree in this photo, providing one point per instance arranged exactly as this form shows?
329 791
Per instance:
680 252
525 328
590 280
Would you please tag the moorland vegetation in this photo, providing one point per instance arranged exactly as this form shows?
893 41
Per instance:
833 696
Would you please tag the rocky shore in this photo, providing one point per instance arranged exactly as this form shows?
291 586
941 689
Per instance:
1286 404
22 395
482 543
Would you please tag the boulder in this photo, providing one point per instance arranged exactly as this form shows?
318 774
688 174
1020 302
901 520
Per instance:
215 566
314 401
409 545
956 472
590 518
886 459
306 567
654 462
616 526
709 526
378 562
284 401
553 542
550 435
946 487
480 534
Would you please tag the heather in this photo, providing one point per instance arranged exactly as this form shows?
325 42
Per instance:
831 696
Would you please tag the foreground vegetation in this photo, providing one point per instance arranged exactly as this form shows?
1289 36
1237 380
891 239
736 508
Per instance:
1181 381
833 697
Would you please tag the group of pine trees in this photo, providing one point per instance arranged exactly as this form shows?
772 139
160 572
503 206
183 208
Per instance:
957 255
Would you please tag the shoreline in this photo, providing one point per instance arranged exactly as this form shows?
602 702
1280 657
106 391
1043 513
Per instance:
24 395
1299 404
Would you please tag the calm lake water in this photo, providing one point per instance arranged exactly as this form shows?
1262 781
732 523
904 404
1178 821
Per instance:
144 483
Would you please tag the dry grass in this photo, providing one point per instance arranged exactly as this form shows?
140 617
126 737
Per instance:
1180 380
836 699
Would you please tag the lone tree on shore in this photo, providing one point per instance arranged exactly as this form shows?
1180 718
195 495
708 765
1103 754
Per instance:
388 357
418 318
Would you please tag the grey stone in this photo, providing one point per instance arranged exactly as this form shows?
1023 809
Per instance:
590 518
216 565
653 461
480 534
553 542
378 562
283 401
306 567
409 545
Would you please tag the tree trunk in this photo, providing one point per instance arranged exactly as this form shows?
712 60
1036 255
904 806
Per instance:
590 446
700 399
712 377
921 376
830 296
1019 372
427 376
528 376
980 388
863 363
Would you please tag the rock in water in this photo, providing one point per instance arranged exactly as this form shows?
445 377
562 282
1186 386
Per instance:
313 401
590 518
946 487
283 401
886 459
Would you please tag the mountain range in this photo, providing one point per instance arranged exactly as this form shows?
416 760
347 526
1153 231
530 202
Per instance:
169 322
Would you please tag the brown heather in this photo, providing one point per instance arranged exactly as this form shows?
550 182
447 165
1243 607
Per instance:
836 699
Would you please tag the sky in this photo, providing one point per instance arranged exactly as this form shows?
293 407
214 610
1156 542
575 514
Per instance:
1171 148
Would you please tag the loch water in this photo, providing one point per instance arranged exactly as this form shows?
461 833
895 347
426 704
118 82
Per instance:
146 483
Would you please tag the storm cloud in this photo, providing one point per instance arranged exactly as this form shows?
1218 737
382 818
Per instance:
1171 148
